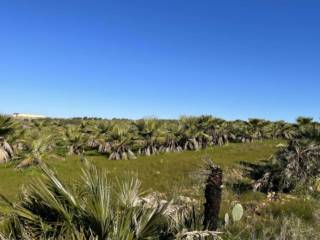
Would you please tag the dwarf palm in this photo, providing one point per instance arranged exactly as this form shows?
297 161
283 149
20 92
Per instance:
257 128
50 209
241 131
6 126
172 138
284 130
36 151
220 131
194 136
100 140
295 164
302 121
148 133
75 140
120 139
204 127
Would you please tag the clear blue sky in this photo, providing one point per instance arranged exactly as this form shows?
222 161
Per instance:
165 58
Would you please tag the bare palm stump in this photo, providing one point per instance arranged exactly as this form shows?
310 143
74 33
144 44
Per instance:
213 197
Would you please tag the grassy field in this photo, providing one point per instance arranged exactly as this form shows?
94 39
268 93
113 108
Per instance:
169 173
179 174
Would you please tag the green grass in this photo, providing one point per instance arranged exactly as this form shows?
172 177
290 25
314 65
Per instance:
175 174
169 173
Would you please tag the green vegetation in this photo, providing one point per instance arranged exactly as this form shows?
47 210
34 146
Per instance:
97 209
169 173
270 186
297 164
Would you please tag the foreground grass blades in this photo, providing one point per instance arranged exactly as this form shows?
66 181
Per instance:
97 209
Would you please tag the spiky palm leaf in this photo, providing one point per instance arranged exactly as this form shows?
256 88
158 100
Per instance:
38 148
51 209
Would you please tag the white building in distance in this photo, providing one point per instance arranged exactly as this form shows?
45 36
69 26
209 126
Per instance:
27 116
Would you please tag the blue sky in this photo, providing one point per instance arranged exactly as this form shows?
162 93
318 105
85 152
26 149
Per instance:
232 59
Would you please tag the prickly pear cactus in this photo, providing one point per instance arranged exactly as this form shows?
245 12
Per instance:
237 212
226 219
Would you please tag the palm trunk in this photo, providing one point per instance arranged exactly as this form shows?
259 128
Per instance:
213 198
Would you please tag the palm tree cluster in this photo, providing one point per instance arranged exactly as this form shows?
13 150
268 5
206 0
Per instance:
97 209
298 163
125 139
